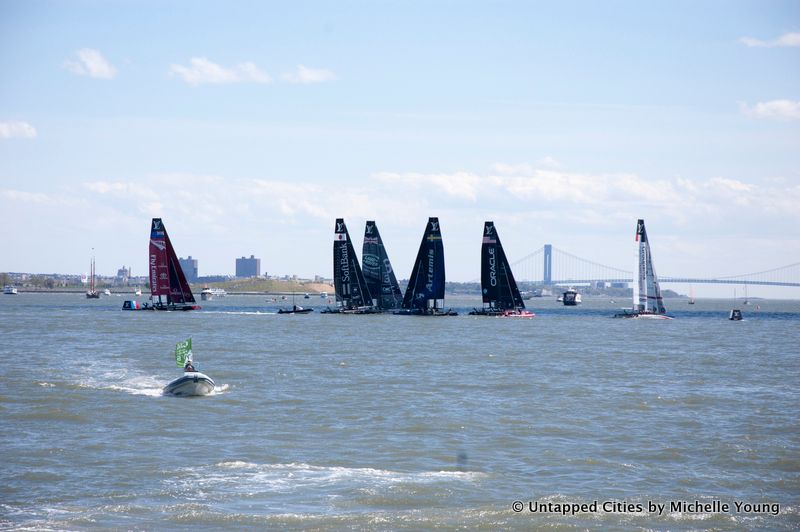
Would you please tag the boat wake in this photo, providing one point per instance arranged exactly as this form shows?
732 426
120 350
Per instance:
288 478
147 385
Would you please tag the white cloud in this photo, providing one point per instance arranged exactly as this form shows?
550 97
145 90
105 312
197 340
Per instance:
20 130
461 185
89 62
217 217
776 109
787 39
202 71
303 74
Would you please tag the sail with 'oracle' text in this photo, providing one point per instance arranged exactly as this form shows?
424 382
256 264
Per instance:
378 273
351 289
169 289
499 289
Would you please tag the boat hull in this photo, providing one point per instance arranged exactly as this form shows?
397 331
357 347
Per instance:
190 384
643 316
425 312
298 311
172 307
502 313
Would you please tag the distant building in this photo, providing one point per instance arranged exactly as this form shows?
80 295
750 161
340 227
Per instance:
189 267
619 285
248 267
123 274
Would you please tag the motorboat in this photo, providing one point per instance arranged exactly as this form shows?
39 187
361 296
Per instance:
295 310
210 293
571 298
190 383
9 290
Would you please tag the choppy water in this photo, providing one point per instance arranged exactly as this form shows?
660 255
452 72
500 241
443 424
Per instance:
395 422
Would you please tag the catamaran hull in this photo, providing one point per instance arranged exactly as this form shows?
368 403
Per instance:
654 317
643 316
503 313
191 383
425 312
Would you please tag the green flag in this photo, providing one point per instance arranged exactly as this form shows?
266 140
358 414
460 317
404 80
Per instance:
183 352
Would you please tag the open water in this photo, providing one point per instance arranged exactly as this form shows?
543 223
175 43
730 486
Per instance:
397 422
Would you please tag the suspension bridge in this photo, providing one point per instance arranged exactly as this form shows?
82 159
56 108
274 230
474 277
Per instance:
551 266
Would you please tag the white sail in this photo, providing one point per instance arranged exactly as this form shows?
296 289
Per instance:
649 300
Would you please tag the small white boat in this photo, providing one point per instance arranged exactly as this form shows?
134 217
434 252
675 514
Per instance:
191 383
9 290
107 292
210 293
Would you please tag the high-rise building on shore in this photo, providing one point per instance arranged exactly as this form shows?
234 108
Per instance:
189 267
248 267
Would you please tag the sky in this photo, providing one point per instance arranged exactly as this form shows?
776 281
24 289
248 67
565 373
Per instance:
248 127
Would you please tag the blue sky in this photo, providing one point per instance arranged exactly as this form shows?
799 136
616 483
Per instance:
250 126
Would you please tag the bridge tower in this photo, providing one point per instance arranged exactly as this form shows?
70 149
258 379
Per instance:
548 264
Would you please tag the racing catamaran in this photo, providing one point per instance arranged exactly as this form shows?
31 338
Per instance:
169 289
647 300
378 273
501 295
352 293
425 292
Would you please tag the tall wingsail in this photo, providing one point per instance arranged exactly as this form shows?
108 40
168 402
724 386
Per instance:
378 273
168 285
348 279
426 284
650 300
500 291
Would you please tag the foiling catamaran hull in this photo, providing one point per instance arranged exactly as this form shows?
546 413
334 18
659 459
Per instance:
190 384
425 312
643 316
135 305
502 313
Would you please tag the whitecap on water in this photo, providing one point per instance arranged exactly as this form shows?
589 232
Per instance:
285 478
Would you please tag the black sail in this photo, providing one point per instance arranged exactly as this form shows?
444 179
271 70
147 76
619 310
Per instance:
348 280
426 284
378 273
498 286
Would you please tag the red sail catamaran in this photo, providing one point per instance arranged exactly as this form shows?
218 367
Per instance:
169 289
